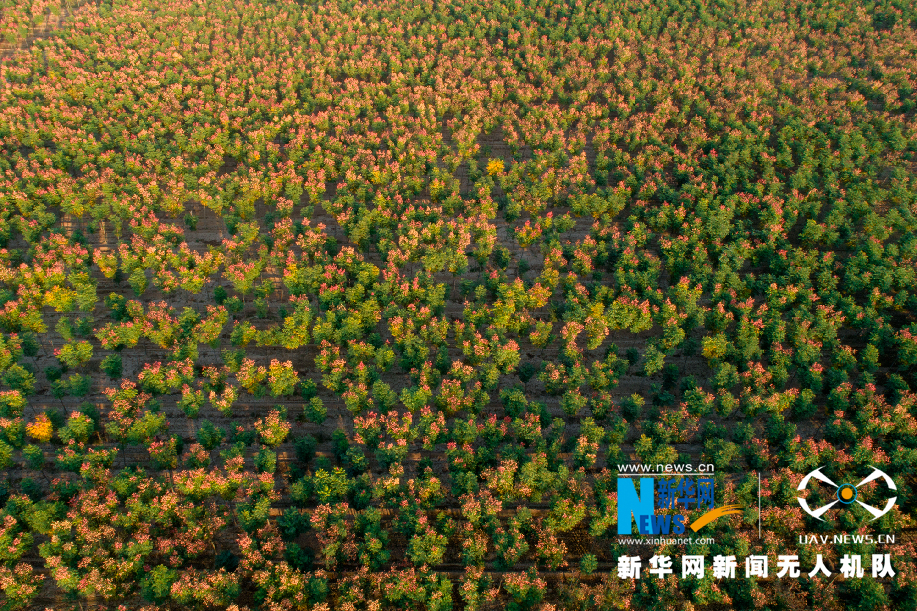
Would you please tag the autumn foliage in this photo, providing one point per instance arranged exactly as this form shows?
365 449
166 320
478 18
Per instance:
359 305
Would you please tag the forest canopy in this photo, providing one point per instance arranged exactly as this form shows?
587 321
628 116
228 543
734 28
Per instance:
362 305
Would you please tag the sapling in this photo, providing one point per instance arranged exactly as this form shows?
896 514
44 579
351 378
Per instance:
315 411
112 366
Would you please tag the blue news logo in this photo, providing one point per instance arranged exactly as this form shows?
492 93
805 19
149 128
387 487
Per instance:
663 494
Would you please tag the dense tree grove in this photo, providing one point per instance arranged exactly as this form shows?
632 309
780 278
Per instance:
360 305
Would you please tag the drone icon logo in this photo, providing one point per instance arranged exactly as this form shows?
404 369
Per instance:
846 494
